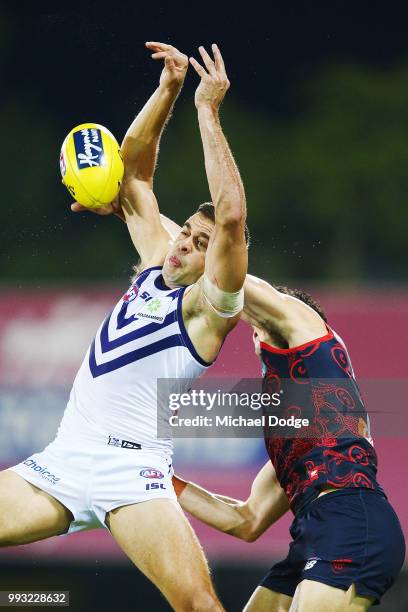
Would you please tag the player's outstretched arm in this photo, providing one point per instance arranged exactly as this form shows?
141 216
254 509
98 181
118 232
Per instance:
227 256
140 149
246 520
296 321
262 301
136 204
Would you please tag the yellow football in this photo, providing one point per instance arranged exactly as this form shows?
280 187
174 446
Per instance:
91 165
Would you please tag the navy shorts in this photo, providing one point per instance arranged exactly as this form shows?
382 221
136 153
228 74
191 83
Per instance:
352 536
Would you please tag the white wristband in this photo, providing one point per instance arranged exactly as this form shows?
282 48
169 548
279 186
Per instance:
226 304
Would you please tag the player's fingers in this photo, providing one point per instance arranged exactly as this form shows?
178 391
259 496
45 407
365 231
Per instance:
108 209
121 215
159 55
180 57
169 61
115 205
209 64
198 68
76 207
105 210
158 45
219 62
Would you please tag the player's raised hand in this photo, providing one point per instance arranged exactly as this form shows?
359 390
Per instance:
175 64
214 82
113 208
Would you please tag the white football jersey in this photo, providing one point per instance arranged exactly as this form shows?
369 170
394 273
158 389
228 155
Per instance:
141 340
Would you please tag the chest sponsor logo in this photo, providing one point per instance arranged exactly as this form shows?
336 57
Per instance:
154 309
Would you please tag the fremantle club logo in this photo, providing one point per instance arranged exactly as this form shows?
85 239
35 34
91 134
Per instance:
131 294
89 148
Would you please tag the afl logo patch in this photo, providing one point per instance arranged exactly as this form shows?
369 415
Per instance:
63 166
339 565
151 473
89 148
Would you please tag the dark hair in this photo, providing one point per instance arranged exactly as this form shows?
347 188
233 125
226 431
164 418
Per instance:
207 209
305 297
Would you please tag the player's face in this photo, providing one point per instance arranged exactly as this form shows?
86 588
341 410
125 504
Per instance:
185 261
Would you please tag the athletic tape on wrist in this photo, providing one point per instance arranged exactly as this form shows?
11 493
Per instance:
226 304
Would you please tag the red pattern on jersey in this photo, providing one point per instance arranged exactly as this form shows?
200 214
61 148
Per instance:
337 451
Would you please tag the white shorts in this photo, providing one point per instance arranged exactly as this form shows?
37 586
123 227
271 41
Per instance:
91 479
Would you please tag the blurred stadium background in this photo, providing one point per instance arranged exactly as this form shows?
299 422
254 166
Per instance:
317 118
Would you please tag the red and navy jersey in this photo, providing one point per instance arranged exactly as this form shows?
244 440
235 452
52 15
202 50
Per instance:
316 381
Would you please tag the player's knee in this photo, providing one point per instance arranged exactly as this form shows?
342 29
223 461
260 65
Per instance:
206 602
201 602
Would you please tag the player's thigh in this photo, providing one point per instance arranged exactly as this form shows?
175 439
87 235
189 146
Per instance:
265 600
313 596
28 514
157 537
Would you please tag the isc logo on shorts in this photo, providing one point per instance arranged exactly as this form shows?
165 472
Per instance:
151 473
154 486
